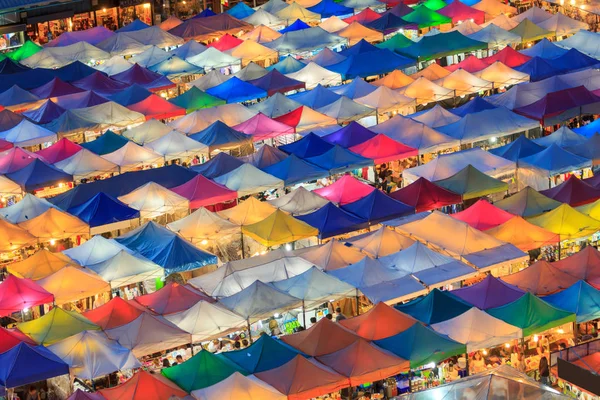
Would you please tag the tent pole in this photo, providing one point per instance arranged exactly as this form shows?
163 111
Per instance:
249 331
243 251
303 314
559 248
357 303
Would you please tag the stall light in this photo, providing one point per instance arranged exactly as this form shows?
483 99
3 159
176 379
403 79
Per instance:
146 5
61 185
163 95
276 315
484 352
104 10
536 338
472 20
331 300
507 345
429 366
3 200
25 309
561 330
204 242
572 2
52 242
493 140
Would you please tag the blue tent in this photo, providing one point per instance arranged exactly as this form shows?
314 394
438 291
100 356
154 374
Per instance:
538 69
15 95
437 306
388 22
135 25
218 134
555 160
515 150
375 63
298 25
544 49
309 146
37 175
337 160
103 209
166 248
235 90
219 165
350 135
25 364
27 80
475 105
378 207
588 130
293 170
175 67
133 94
264 354
332 221
581 298
359 48
265 156
305 40
318 97
421 345
329 8
240 11
574 60
287 65
45 113
205 13
355 89
8 66
106 143
119 185
73 71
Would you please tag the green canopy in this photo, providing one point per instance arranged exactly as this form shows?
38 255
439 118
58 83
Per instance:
471 183
395 43
530 32
440 45
531 314
202 370
435 4
195 99
425 17
27 50
56 325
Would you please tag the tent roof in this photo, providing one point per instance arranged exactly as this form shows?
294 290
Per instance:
332 255
318 97
240 11
17 294
527 203
295 26
380 243
554 160
39 265
203 225
261 127
580 298
324 337
264 354
345 190
12 337
541 278
299 202
338 160
201 192
103 209
384 61
287 65
523 234
332 221
530 32
263 18
239 386
383 149
155 107
425 17
309 146
235 90
249 211
489 293
265 156
141 385
574 192
495 36
144 77
58 151
26 364
329 8
436 117
117 312
371 325
483 215
45 113
295 11
377 207
293 170
106 143
29 207
315 286
55 325
15 96
125 269
437 306
559 105
304 40
425 196
520 148
356 32
350 135
471 183
544 49
247 179
566 221
563 137
147 132
219 135
279 228
37 175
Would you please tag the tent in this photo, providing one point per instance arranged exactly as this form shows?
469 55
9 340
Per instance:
100 84
17 294
276 106
313 74
435 117
152 55
39 265
424 91
370 325
483 215
219 136
202 226
263 34
304 40
524 235
275 81
125 269
580 298
265 157
517 149
248 212
58 151
470 64
93 251
29 207
279 228
213 59
16 98
27 50
496 37
425 17
54 224
383 149
80 100
309 146
316 98
541 278
384 61
235 90
133 26
464 83
247 179
527 203
489 293
131 156
566 222
287 65
170 23
460 12
574 192
299 202
117 312
195 99
239 386
338 160
584 41
544 49
55 325
395 43
329 8
12 337
264 354
356 32
142 385
166 248
588 149
471 183
55 87
26 133
202 192
155 107
425 196
437 306
15 237
324 337
330 221
71 283
85 164
377 207
45 112
104 213
390 22
331 255
26 364
260 127
394 80
350 135
240 11
590 209
538 69
501 75
147 132
380 243
295 11
345 109
345 190
144 78
356 89
172 298
57 57
251 52
562 137
327 57
293 170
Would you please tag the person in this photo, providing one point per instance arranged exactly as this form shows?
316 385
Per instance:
544 370
179 358
313 320
329 316
32 394
478 364
338 315
166 363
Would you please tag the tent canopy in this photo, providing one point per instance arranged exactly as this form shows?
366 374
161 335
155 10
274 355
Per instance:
483 215
489 293
425 196
117 312
56 325
437 306
523 234
26 364
527 203
471 183
541 279
17 294
279 228
580 298
143 385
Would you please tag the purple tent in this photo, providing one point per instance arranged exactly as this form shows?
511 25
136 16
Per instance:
92 36
350 135
145 78
56 87
276 82
210 26
100 83
80 100
45 113
489 293
9 119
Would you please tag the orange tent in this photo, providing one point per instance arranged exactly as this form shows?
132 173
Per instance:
380 322
541 278
322 338
584 265
302 379
116 312
364 362
523 234
143 386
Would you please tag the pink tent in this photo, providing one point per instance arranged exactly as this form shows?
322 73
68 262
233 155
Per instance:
17 294
4 145
365 16
60 150
345 190
155 107
483 215
172 298
14 159
507 56
383 149
460 12
9 338
202 192
470 64
225 42
261 127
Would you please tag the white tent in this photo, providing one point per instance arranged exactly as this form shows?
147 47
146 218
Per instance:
238 386
29 207
131 156
478 330
273 6
384 99
275 106
467 27
313 75
26 133
189 49
562 25
503 22
263 17
501 75
333 24
152 55
230 114
495 36
124 269
367 272
251 71
154 36
211 79
148 131
346 110
331 255
584 41
154 200
534 14
203 225
90 355
299 202
247 179
382 242
436 117
261 34
464 83
212 58
176 145
85 164
206 321
122 45
114 65
95 250
295 11
56 57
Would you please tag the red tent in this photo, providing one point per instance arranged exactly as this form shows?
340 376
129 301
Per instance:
460 12
225 42
5 145
364 362
143 386
155 107
574 192
17 294
202 192
115 313
60 150
365 16
382 148
261 127
15 159
302 379
507 56
584 265
322 338
541 278
424 195
55 88
556 103
483 215
345 190
380 322
9 338
172 298
470 64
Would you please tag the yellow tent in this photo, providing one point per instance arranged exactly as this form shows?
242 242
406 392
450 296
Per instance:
567 222
295 11
380 243
591 209
464 83
40 265
71 284
55 224
261 34
14 237
203 225
250 51
279 228
56 325
523 234
424 91
394 80
355 32
432 72
501 75
248 212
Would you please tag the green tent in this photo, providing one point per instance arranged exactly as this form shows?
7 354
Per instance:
202 370
435 4
528 202
425 17
56 325
27 50
195 99
530 32
531 314
471 183
440 45
396 42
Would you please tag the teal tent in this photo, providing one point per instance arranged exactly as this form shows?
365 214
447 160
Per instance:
580 298
264 354
436 307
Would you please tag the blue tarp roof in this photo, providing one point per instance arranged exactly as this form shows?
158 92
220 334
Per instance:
377 62
287 65
240 11
73 71
350 135
166 248
135 25
133 94
235 90
219 165
436 46
329 8
555 160
359 48
293 170
338 160
47 112
103 209
544 49
589 130
305 40
106 143
355 89
515 150
437 306
15 95
332 221
538 69
264 354
37 175
378 207
175 67
219 134
581 298
27 80
475 105
318 97
563 137
573 60
119 185
298 25
205 13
25 364
309 146
388 22
8 66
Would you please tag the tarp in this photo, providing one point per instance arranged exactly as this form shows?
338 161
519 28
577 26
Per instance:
332 221
103 209
29 207
464 83
309 146
45 113
501 75
152 55
264 354
58 151
562 137
117 312
305 40
27 50
524 235
299 202
495 36
202 226
517 149
71 283
483 215
574 192
537 68
383 149
423 91
279 228
471 183
247 179
37 175
212 58
239 386
248 212
15 97
56 57
580 298
240 11
26 364
171 23
584 41
528 31
470 63
125 269
489 293
219 136
426 17
141 386
295 11
350 135
313 74
527 203
133 26
265 18
17 294
540 278
175 67
201 192
147 132
195 99
80 100
384 61
293 170
544 49
171 298
380 243
437 306
175 145
55 325
425 196
26 133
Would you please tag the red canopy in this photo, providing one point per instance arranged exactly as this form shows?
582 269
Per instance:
5 145
380 322
60 150
322 338
366 15
225 42
541 278
483 215
202 192
302 379
16 294
460 12
507 56
584 265
143 386
9 338
382 148
155 107
574 192
172 298
363 362
15 159
470 64
345 190
424 195
261 127
115 313
556 103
